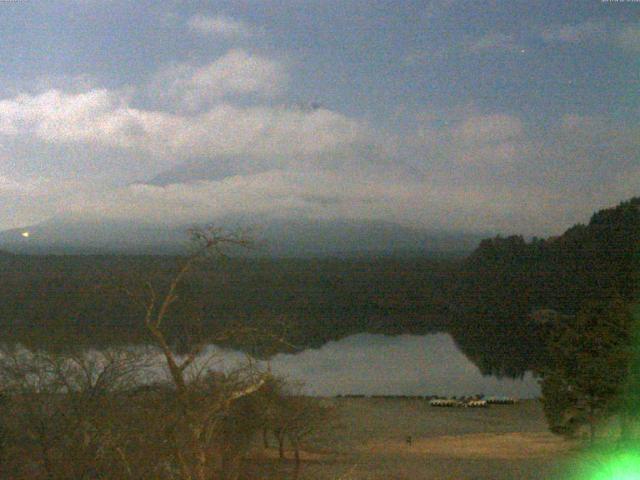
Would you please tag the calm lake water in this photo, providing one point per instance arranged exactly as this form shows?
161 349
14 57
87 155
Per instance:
390 365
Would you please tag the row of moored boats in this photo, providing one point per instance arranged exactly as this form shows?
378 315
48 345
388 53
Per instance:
472 402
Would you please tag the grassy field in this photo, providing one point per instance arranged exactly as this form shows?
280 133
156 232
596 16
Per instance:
369 442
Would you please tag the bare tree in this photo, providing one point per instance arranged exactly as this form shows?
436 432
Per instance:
198 426
296 417
60 410
97 414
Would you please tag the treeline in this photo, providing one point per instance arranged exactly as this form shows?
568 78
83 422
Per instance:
88 415
507 282
314 301
587 261
488 301
145 412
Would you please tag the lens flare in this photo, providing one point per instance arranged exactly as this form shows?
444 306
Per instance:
614 466
621 467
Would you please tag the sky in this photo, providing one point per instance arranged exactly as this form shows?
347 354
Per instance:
511 117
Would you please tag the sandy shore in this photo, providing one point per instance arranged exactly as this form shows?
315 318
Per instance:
369 441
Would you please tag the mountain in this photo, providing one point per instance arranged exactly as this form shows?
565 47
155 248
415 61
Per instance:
89 237
498 303
202 169
279 238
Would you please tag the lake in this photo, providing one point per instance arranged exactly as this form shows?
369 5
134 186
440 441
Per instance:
372 364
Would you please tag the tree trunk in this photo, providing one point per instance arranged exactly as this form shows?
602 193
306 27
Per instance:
592 425
627 412
296 453
265 437
230 466
201 465
280 446
624 425
296 471
48 467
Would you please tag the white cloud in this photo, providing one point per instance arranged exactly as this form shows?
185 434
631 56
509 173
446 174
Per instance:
419 57
220 26
464 148
437 203
489 43
96 116
102 118
476 170
11 186
25 201
260 132
590 31
279 193
483 172
194 87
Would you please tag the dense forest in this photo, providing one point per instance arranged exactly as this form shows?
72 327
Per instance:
314 300
510 291
497 303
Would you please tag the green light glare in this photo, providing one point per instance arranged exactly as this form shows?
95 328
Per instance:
619 466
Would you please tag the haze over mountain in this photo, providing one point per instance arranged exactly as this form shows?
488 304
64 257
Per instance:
277 237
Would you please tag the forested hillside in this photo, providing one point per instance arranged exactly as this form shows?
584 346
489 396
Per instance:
487 301
313 300
506 281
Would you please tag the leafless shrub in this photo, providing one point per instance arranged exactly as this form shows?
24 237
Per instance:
84 414
60 410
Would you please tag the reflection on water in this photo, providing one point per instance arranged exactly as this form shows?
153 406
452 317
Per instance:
391 365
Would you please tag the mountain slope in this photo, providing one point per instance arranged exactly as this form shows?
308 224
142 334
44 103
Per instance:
297 238
202 169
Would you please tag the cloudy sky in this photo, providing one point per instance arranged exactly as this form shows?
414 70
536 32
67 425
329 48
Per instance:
505 116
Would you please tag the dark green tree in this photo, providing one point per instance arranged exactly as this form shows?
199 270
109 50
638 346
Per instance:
590 358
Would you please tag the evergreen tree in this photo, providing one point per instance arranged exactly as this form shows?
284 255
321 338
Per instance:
590 360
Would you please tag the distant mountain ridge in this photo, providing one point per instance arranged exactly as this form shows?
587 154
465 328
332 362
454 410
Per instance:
279 238
489 301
